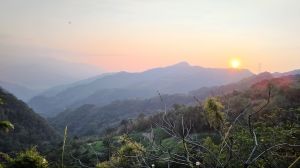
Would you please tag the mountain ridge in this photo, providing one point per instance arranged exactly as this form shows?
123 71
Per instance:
178 78
21 92
87 119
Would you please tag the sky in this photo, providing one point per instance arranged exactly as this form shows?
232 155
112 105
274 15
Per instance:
134 35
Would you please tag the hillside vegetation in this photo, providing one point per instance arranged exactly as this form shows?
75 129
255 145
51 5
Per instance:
251 123
94 119
29 128
257 127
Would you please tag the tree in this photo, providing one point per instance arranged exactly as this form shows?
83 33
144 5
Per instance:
130 154
29 159
213 112
247 139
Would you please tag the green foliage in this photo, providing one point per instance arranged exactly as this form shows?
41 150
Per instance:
6 126
29 159
209 158
99 145
126 156
128 151
105 164
160 134
206 126
170 143
29 128
213 112
5 158
276 130
95 119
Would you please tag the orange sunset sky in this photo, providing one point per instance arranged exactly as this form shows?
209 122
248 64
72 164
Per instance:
135 35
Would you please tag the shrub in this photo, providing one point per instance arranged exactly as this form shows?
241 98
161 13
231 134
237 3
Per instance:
29 159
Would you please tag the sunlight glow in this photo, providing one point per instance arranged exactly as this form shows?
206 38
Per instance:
235 63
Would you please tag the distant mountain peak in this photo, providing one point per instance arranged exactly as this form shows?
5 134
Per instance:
266 73
181 64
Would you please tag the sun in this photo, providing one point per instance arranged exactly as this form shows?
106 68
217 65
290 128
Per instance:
235 63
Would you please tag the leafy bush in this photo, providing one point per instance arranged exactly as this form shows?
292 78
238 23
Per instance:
105 164
29 159
213 111
126 156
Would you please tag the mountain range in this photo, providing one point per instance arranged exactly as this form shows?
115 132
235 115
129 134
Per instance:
93 120
178 78
92 105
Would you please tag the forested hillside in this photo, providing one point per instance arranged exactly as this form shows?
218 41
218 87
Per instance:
29 128
251 123
94 119
258 127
